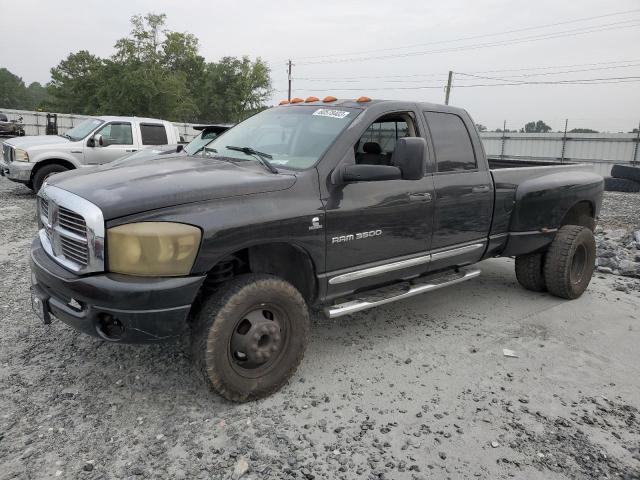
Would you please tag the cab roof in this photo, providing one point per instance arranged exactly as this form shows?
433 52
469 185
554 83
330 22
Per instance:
363 105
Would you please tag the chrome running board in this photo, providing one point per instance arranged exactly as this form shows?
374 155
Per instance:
399 291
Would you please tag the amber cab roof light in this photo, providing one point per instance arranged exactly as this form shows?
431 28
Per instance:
296 100
284 102
363 99
312 99
329 98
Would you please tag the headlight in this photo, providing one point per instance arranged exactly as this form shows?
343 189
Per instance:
21 155
152 248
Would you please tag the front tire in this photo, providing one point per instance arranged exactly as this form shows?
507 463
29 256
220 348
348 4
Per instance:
45 172
250 336
570 261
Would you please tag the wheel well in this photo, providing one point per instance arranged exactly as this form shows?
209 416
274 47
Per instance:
582 213
52 161
291 263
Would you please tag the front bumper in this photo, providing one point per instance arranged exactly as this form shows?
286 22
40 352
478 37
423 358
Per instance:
16 171
148 309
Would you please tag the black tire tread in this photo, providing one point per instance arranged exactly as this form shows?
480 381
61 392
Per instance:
558 261
42 172
221 303
612 184
529 271
627 172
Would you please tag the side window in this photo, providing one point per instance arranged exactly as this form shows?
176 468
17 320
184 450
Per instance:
453 148
117 133
153 134
378 142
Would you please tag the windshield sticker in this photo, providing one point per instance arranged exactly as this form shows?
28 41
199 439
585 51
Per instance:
325 112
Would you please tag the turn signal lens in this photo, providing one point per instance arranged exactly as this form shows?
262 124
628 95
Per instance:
363 99
296 100
329 98
156 249
312 99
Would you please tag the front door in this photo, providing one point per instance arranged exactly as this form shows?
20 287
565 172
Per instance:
117 142
369 224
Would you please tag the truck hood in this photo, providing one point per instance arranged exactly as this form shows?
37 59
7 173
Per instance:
36 141
127 189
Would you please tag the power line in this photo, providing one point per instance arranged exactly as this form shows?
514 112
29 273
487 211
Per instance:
473 37
582 81
533 38
443 75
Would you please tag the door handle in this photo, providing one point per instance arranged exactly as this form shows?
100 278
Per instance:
420 197
131 150
480 189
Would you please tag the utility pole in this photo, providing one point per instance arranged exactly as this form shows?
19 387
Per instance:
635 150
448 89
290 64
564 140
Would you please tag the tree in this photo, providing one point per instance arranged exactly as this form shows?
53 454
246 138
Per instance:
235 89
75 83
536 127
13 93
159 73
480 127
39 97
582 130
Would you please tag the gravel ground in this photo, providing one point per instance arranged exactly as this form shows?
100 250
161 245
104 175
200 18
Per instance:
417 389
618 237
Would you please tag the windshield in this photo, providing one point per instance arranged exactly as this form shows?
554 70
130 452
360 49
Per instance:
83 129
296 136
200 141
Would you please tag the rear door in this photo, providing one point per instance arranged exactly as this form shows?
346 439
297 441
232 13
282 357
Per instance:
463 193
153 134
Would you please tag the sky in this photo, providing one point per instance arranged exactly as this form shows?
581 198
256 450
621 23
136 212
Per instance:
419 44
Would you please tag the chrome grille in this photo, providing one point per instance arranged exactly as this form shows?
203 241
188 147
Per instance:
7 153
44 209
73 230
72 221
74 250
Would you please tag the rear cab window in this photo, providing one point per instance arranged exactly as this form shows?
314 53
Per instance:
452 143
153 134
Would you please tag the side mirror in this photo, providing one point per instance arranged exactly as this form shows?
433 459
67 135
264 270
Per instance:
369 173
409 157
98 140
179 148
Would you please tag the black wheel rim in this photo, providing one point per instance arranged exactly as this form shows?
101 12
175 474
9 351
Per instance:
258 341
578 264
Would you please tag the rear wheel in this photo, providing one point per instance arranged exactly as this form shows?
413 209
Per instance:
529 271
45 172
250 336
570 261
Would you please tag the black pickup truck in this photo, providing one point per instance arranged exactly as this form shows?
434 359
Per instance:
339 205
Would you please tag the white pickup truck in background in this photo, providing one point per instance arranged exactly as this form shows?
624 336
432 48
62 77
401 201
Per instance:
97 140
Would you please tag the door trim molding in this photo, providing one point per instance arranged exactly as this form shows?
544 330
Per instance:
402 264
380 269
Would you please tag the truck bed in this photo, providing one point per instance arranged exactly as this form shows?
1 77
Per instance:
500 163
